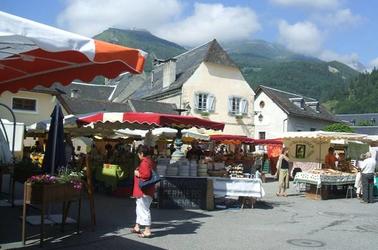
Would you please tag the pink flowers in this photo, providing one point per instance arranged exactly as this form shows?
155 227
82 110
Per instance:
43 179
77 184
73 179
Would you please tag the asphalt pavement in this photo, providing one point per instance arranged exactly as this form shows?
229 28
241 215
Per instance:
292 222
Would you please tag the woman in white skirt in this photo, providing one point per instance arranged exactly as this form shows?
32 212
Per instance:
143 196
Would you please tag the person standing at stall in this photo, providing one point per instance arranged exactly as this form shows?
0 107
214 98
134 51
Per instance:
367 175
143 196
283 172
330 159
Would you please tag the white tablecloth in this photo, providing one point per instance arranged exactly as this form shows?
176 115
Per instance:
322 179
238 187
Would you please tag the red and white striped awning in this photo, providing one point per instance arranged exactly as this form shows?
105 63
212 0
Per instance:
34 54
135 120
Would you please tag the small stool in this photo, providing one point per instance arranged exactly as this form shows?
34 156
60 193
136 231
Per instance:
349 192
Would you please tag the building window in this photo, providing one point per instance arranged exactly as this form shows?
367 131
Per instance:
312 129
237 106
262 135
204 102
260 117
24 104
262 104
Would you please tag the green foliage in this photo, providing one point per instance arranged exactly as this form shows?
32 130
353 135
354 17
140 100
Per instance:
361 96
365 123
338 127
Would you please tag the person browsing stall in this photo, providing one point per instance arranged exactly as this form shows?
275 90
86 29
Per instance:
143 196
282 173
330 159
367 175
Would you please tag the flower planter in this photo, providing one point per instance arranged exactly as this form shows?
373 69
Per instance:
38 193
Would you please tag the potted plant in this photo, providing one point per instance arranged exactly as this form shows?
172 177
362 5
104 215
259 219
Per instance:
47 188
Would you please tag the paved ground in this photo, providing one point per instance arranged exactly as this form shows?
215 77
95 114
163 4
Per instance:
276 223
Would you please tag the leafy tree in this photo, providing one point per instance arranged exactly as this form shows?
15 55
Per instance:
338 127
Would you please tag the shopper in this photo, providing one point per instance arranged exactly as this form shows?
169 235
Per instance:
367 175
143 196
358 183
283 172
330 159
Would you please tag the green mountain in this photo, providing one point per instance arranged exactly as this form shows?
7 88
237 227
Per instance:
273 65
261 62
144 40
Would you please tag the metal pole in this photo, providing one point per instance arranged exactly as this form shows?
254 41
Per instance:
54 140
14 130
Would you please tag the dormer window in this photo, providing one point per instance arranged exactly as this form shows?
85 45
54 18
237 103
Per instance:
237 106
314 105
204 102
298 101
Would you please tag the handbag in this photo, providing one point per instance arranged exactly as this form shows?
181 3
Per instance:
155 178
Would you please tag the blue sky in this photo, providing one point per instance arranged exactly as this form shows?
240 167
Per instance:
345 30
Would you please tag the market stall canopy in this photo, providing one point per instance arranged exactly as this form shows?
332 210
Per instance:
33 54
323 135
136 120
70 126
312 146
231 139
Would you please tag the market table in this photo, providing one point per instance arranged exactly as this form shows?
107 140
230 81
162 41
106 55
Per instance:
242 187
326 184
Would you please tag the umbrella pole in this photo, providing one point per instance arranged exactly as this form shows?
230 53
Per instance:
54 140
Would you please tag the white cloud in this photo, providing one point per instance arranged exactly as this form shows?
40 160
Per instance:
301 37
317 4
90 17
340 18
212 21
163 18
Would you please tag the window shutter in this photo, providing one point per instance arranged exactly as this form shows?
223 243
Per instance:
210 103
230 105
244 107
195 101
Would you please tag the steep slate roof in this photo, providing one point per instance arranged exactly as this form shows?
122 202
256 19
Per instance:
186 64
282 99
156 107
88 91
82 106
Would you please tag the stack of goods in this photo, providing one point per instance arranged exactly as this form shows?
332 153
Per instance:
161 167
183 169
193 168
218 165
172 169
202 169
346 166
236 171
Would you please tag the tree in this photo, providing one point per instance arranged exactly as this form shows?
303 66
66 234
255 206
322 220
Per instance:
338 127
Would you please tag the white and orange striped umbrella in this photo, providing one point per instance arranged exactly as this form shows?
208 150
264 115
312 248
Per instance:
34 54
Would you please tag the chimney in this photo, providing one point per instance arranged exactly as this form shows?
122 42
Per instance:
298 101
74 93
169 72
314 105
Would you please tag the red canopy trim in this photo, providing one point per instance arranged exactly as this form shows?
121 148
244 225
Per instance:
125 119
235 138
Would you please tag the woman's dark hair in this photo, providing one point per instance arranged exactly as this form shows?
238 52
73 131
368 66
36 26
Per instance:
146 150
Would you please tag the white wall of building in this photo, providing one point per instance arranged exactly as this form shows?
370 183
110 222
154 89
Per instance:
274 119
44 106
221 82
305 124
